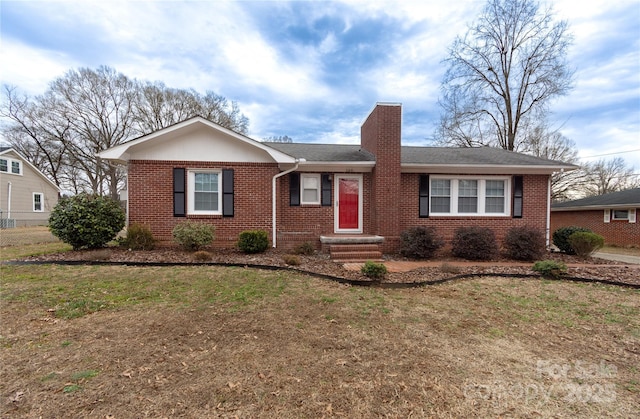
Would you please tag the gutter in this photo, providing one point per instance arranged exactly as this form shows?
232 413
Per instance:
273 200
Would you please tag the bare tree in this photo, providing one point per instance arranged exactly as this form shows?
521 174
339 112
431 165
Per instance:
279 139
87 111
159 106
605 176
501 75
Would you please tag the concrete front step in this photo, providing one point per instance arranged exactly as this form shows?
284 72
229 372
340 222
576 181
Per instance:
356 256
355 252
354 248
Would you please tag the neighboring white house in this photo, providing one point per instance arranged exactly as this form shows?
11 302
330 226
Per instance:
27 196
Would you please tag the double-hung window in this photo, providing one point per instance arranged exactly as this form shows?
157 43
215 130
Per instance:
38 202
465 195
204 192
11 166
310 188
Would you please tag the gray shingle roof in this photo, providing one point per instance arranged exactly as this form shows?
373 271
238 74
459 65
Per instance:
630 197
471 156
324 152
413 155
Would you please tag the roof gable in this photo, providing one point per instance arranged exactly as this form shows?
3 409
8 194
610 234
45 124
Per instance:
193 139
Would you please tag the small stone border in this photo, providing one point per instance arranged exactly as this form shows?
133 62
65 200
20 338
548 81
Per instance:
353 282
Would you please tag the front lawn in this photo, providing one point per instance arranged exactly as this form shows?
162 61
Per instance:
117 341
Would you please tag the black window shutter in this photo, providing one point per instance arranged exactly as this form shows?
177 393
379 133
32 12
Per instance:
227 192
424 196
517 196
179 201
326 190
294 189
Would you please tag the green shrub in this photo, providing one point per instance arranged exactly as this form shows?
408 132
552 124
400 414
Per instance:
585 243
474 243
138 237
561 238
373 270
550 268
253 241
305 248
292 260
86 221
525 243
419 242
192 236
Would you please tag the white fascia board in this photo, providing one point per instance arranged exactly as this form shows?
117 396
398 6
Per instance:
482 169
120 152
335 166
597 207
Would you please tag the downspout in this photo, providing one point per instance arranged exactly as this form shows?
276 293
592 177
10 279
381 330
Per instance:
273 200
8 200
548 212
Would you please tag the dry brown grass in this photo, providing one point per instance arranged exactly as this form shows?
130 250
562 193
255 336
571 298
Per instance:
219 342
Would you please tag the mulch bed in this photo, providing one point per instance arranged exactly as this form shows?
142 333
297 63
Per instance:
440 270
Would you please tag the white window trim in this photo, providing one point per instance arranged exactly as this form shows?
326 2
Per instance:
33 202
482 190
9 170
191 188
304 176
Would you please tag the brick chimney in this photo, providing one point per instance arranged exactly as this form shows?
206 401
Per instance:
380 134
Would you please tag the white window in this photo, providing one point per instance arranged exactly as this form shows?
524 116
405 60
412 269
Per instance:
204 192
310 187
38 202
464 196
620 214
11 166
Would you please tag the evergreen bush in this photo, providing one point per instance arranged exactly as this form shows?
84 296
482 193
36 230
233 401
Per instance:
86 221
585 243
253 241
474 243
420 242
373 270
561 238
192 236
525 243
138 237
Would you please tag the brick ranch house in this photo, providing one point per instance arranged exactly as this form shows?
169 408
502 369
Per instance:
328 193
613 216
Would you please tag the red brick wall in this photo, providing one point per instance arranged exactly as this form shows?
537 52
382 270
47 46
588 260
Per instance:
381 135
534 210
618 232
150 186
306 223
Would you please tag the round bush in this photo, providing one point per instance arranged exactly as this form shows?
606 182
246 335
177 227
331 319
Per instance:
585 243
253 241
86 221
561 238
192 236
419 242
138 237
474 243
525 243
373 270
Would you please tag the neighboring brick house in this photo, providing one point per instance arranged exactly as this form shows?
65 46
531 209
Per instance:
327 193
612 216
27 196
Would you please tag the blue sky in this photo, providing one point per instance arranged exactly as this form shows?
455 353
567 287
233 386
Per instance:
313 70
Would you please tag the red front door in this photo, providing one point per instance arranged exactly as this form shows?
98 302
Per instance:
348 204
